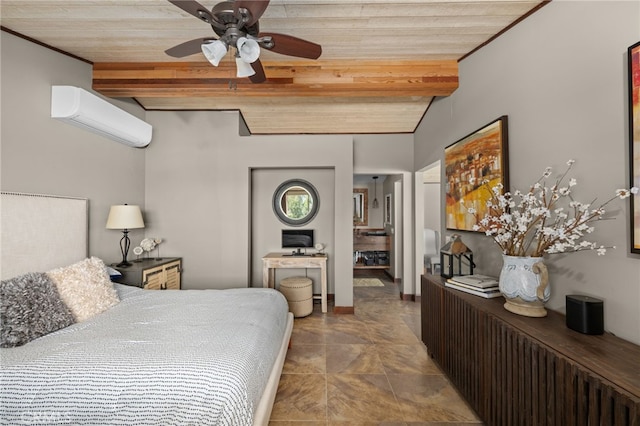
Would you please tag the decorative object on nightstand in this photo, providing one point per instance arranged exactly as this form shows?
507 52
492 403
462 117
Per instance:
452 255
319 247
147 245
125 217
152 274
157 241
137 250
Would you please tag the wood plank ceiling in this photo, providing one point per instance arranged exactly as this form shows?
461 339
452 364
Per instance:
382 62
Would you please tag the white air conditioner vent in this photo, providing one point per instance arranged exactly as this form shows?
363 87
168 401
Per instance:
80 108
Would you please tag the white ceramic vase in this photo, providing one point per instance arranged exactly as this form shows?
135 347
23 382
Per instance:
524 283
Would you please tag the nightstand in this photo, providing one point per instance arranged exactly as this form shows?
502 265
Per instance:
152 274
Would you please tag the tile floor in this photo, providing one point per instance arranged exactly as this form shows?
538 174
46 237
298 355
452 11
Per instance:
369 368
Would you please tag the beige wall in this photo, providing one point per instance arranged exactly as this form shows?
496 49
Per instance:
193 181
374 216
266 227
560 76
45 156
431 196
392 155
198 194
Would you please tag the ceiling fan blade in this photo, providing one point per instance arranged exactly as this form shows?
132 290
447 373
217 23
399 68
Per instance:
256 7
196 9
293 46
259 76
187 48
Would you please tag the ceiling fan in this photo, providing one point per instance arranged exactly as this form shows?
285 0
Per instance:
236 25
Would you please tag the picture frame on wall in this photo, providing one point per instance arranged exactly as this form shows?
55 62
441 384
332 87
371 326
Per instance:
481 156
634 142
387 209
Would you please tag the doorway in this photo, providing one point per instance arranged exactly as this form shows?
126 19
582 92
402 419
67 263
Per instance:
371 241
428 213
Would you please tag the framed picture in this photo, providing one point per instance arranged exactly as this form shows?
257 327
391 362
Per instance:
387 208
634 142
477 158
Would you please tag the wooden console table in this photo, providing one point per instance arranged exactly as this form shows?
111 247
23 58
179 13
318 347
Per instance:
272 261
515 370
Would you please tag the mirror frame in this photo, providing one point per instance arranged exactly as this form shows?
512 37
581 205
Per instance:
365 207
284 187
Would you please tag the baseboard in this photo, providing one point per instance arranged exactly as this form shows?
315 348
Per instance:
408 297
330 296
343 310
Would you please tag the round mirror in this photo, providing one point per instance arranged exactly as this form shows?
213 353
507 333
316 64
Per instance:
296 202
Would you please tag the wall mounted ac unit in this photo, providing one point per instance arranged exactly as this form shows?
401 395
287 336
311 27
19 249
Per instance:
80 108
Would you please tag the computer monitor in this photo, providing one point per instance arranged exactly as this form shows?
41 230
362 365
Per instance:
297 239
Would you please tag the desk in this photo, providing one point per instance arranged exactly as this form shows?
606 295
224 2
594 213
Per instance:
279 260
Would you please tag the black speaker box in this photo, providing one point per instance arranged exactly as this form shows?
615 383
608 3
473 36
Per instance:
585 314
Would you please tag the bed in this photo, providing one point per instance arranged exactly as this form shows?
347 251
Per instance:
198 357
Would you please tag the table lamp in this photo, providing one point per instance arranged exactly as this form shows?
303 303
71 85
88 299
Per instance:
125 217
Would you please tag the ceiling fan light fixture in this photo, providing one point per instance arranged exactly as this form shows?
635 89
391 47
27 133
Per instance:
214 51
244 69
248 49
235 24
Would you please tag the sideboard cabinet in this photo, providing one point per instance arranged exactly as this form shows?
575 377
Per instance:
153 274
515 370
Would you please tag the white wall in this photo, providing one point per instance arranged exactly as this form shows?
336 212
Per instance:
560 75
46 156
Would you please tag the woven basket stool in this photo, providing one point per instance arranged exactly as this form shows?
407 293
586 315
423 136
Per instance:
299 294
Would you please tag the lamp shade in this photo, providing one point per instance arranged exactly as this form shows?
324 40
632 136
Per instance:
214 51
125 217
244 69
248 49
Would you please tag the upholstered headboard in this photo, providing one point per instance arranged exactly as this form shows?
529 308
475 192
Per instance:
41 232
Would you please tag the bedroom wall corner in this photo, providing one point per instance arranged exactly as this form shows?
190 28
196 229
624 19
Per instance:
43 155
564 90
198 193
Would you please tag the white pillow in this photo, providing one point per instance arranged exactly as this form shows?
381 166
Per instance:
85 287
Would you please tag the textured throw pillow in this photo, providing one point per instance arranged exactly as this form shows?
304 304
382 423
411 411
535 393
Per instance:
30 307
85 288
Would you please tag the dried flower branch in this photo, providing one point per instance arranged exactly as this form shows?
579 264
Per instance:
533 223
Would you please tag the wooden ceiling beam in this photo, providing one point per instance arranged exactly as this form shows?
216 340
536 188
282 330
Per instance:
328 79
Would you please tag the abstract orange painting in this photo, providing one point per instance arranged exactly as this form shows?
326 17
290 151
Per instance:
634 142
478 158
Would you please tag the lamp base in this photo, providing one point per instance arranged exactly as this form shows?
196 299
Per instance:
125 243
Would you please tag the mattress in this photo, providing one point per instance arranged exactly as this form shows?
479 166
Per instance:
199 357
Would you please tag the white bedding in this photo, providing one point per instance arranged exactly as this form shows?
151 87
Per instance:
199 357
